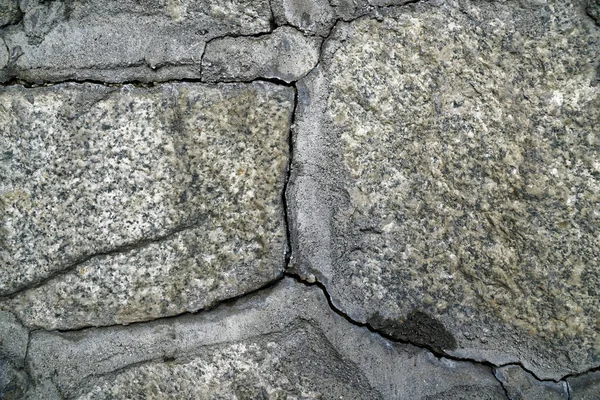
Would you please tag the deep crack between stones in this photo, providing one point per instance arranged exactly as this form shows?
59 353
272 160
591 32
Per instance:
373 13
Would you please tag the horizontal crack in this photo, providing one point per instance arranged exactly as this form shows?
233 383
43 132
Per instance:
228 301
435 351
137 245
140 83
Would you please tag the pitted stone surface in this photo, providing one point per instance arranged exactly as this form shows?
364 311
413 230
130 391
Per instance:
285 54
446 179
155 201
593 10
284 342
310 16
9 12
116 40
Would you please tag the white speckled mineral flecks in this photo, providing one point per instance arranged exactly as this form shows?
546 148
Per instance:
463 212
153 201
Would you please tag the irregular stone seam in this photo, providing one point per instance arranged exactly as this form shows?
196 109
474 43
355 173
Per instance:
159 359
374 14
137 245
144 242
439 355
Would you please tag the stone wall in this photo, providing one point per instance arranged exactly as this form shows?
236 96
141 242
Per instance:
300 199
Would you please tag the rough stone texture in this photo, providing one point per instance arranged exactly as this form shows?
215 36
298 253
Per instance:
4 56
386 3
311 16
13 339
446 179
521 385
13 382
585 387
152 201
121 40
9 12
286 54
593 10
282 343
444 191
13 350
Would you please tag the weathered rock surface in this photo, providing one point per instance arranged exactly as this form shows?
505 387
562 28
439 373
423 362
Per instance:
128 204
593 10
117 40
311 16
14 338
444 191
284 342
286 54
446 179
521 385
585 387
9 12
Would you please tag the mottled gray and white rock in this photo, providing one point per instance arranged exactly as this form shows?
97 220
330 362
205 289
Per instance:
593 10
585 387
285 54
521 385
310 16
9 12
4 55
116 40
126 204
347 10
446 179
281 343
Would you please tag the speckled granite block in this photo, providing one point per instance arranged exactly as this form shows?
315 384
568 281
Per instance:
446 179
126 204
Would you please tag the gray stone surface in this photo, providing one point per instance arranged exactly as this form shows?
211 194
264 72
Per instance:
593 10
446 183
585 387
10 12
117 40
13 382
284 342
386 3
126 204
285 54
14 339
347 10
311 16
444 191
521 385
4 55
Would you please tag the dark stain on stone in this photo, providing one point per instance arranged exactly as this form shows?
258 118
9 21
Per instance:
419 328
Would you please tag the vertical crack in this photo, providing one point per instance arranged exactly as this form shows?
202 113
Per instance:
494 373
287 222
